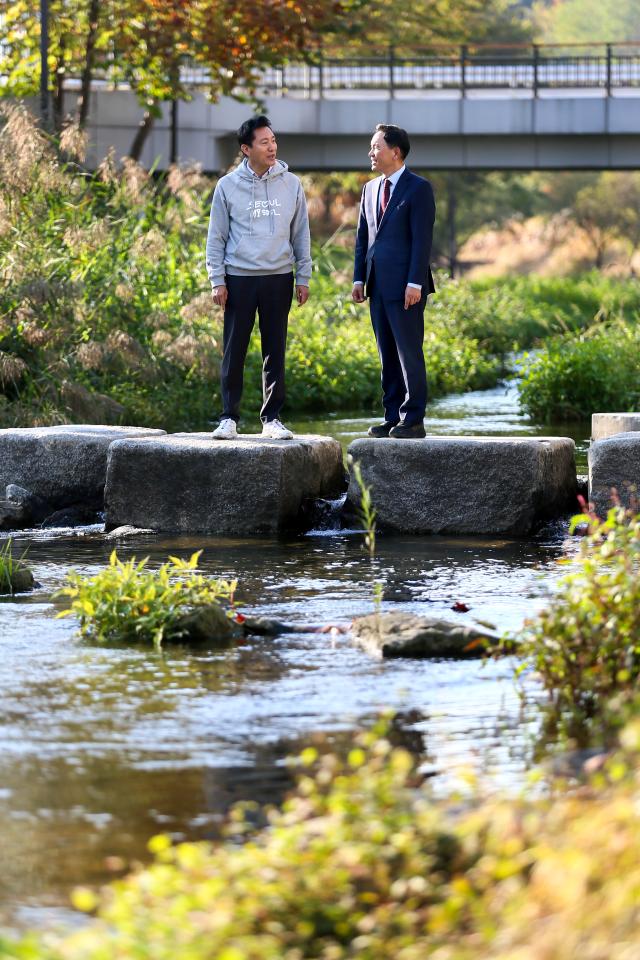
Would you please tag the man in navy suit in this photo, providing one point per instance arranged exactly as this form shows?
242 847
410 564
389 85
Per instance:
393 249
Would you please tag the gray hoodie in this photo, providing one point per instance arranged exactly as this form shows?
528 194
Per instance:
258 225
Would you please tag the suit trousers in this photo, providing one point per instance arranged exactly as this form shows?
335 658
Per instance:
399 335
270 296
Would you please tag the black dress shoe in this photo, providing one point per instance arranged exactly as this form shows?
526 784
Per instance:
381 429
402 432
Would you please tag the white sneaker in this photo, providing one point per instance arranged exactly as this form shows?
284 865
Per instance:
226 430
274 430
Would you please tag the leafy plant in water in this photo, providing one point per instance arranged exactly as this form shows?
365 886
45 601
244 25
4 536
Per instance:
9 567
585 647
127 601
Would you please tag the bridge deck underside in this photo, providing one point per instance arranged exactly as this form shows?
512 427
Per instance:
572 131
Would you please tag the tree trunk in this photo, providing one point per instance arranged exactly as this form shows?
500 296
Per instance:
451 222
175 84
58 100
144 129
87 73
173 150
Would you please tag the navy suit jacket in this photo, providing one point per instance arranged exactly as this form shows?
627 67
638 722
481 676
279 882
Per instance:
400 245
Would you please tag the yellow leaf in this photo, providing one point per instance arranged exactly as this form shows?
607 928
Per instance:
84 899
159 843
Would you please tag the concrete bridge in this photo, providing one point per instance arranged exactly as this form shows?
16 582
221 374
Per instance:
518 108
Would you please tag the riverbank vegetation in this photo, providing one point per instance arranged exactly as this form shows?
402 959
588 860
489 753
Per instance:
572 377
584 649
106 314
362 863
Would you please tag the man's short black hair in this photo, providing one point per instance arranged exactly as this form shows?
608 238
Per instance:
247 131
395 137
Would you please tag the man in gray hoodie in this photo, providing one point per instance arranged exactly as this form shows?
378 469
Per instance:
258 231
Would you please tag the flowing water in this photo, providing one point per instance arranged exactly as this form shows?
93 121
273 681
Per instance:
100 748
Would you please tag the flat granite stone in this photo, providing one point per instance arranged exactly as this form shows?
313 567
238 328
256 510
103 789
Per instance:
605 425
190 483
63 465
473 485
614 464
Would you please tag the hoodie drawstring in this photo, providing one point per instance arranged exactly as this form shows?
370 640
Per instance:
271 217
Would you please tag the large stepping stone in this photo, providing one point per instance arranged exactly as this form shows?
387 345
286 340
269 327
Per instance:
61 465
473 485
190 483
614 464
608 424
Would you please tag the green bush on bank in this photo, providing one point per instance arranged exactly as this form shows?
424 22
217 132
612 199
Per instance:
362 863
585 647
506 314
573 377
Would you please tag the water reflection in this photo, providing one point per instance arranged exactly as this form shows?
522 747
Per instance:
480 412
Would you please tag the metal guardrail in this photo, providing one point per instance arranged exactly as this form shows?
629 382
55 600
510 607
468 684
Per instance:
535 68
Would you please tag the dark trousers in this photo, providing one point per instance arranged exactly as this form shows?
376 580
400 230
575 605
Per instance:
271 297
399 335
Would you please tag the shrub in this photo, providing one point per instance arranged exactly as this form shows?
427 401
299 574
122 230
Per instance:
128 602
572 378
585 647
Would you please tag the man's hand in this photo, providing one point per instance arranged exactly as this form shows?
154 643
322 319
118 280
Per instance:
357 294
302 294
411 296
220 295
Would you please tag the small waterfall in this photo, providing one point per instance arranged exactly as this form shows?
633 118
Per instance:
325 516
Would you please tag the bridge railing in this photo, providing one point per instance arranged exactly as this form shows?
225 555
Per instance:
605 67
466 68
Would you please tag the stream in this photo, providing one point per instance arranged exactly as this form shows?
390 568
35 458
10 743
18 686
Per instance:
100 748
